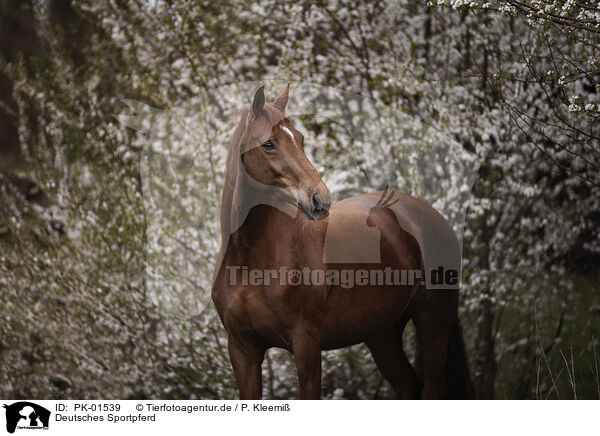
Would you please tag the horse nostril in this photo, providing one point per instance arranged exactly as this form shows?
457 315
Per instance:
316 201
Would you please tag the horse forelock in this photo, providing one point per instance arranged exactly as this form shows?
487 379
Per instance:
273 115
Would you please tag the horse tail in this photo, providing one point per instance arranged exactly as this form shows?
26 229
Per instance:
458 377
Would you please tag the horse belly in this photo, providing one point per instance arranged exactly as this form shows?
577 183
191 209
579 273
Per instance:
353 315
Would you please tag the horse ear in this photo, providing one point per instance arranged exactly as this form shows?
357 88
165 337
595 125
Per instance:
281 101
259 101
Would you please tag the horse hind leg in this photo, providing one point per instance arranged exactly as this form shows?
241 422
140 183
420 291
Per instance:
433 323
393 364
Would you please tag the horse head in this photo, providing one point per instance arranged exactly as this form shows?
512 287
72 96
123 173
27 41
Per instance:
266 164
273 156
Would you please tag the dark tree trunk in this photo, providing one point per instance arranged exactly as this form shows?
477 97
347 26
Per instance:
72 29
485 358
17 38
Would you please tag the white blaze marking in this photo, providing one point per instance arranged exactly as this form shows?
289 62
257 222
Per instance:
289 133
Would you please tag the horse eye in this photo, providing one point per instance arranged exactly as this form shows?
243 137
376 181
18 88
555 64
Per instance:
268 145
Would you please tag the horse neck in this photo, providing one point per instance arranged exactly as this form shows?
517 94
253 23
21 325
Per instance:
261 214
262 222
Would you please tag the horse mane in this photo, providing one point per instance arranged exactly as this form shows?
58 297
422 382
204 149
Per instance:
238 198
233 174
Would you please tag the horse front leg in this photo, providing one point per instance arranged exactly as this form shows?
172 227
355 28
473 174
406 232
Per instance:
246 360
306 345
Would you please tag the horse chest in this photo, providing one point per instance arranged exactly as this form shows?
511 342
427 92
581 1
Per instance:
248 310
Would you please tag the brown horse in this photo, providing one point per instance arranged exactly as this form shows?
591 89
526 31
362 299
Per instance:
296 273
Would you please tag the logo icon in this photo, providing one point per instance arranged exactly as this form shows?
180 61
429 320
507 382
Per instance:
26 415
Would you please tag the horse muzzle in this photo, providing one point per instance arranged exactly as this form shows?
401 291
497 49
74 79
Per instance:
317 208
